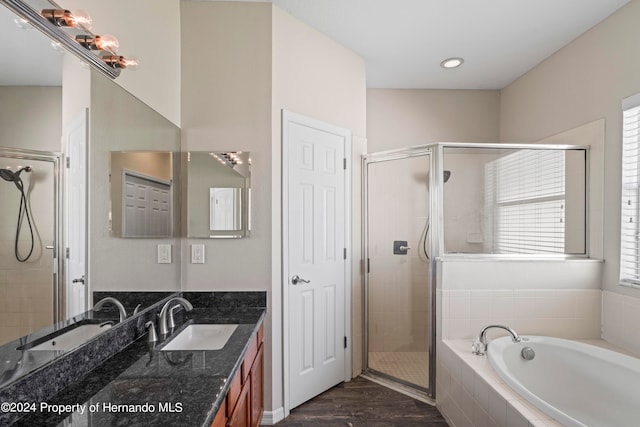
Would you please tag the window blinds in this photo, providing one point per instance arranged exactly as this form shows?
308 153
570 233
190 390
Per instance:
629 251
527 191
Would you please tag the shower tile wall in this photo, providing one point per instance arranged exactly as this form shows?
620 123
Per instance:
398 294
564 313
26 289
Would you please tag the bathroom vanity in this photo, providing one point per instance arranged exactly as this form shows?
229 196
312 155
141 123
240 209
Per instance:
142 383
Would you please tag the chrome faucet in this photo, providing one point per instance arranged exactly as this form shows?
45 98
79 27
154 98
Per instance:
479 346
167 312
121 309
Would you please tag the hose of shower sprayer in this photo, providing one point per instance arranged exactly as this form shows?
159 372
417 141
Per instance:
424 239
23 212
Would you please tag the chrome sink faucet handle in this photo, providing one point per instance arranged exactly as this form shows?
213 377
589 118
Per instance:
479 346
166 310
118 304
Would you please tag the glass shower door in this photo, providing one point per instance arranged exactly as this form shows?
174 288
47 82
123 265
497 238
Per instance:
397 285
27 238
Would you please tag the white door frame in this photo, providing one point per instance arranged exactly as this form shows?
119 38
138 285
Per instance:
289 117
81 120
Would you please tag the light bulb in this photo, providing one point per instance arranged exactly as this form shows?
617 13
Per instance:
107 42
130 63
79 19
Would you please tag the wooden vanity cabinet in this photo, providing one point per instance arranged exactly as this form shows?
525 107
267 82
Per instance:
244 403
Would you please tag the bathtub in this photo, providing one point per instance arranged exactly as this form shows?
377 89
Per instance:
575 383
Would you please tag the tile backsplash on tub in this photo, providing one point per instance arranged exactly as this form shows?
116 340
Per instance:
564 313
621 321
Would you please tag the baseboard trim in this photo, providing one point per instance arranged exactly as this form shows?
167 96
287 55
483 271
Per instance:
269 418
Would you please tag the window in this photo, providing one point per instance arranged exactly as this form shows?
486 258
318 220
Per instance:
629 232
526 192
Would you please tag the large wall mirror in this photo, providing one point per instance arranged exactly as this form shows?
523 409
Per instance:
38 100
219 194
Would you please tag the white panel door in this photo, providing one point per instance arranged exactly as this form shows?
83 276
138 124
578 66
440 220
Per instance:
316 233
75 137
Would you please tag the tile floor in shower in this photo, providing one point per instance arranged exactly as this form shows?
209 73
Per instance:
412 367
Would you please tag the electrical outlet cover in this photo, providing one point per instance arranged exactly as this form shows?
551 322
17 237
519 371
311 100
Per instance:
164 254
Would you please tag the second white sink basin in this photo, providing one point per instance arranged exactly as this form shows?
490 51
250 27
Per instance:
201 337
73 338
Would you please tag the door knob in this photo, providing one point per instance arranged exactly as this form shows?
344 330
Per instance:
297 279
80 280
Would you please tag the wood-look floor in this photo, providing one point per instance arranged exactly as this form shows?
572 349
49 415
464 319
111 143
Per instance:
361 402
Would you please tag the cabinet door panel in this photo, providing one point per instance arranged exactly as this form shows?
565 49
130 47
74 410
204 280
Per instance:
240 416
257 388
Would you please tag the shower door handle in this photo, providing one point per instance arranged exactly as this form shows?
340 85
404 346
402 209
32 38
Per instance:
297 279
80 280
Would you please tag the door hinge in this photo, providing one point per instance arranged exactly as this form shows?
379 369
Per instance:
345 253
345 342
345 163
68 162
66 253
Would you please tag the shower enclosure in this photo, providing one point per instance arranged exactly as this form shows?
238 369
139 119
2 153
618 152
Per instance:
398 251
455 200
29 234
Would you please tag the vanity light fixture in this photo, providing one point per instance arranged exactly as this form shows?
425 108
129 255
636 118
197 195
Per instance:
107 42
451 63
65 18
53 23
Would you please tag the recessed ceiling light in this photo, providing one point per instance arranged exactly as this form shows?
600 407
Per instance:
452 63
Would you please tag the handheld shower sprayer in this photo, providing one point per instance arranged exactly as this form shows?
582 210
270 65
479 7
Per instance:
9 175
23 211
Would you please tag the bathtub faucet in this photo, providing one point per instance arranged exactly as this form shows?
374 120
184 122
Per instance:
480 345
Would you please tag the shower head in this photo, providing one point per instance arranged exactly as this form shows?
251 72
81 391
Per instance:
447 175
11 176
7 175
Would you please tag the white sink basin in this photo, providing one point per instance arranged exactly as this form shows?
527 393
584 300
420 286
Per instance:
73 338
201 337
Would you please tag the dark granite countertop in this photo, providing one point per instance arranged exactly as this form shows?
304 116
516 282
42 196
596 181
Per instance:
170 388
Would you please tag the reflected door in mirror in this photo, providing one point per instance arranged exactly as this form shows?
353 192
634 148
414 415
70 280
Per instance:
225 209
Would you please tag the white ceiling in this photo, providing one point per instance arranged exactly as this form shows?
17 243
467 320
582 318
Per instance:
404 41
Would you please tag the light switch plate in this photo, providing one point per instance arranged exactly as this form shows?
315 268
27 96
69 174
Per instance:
197 254
164 254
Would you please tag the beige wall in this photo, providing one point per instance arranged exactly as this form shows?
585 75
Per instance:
399 118
116 263
583 82
31 117
150 31
259 60
226 106
319 78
